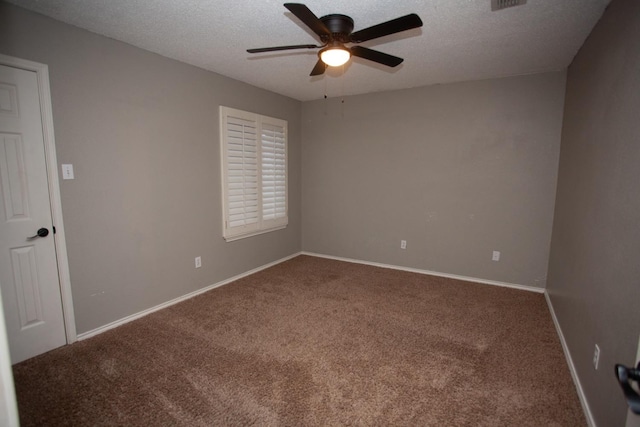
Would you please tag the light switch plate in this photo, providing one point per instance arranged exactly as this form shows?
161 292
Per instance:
67 172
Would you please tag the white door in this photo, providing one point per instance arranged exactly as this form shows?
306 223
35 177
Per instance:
633 420
28 270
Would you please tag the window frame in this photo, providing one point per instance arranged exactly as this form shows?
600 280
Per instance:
231 233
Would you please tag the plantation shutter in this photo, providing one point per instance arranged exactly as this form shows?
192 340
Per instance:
242 173
254 173
274 184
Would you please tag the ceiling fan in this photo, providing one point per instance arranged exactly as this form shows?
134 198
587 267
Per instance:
335 31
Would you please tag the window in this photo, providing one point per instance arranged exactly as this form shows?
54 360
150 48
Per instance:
254 173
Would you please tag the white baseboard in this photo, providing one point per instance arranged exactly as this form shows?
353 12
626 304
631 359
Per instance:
430 273
143 313
572 369
574 374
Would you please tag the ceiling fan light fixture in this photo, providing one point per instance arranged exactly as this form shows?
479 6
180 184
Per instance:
335 56
336 30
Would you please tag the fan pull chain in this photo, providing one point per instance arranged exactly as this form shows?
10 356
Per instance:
342 93
324 78
326 102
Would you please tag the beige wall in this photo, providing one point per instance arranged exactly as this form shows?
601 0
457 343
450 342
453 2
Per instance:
142 133
594 269
457 170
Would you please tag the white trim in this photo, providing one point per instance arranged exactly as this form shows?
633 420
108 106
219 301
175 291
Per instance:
42 74
8 404
572 368
143 313
257 233
430 273
574 375
120 322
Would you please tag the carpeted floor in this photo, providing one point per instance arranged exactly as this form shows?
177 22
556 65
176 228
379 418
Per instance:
316 342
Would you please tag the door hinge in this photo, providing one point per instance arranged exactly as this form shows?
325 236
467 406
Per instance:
54 229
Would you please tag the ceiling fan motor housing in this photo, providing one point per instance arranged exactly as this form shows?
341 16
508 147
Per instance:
341 26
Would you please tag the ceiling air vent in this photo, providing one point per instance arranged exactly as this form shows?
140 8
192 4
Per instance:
503 4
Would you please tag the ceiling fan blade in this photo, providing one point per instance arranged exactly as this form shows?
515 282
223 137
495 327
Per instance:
303 13
397 25
319 68
272 49
376 56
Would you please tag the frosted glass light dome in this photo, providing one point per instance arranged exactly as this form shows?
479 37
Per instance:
335 56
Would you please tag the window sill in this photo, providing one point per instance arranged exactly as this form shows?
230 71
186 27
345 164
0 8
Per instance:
253 233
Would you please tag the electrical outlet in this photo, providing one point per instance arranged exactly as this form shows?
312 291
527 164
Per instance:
198 262
495 256
403 244
596 357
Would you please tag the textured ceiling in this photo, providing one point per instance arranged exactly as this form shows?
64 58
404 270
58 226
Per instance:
460 40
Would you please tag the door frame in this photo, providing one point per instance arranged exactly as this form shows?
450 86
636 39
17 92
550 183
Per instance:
8 403
64 278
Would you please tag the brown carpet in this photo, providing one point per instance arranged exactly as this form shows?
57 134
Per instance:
316 342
